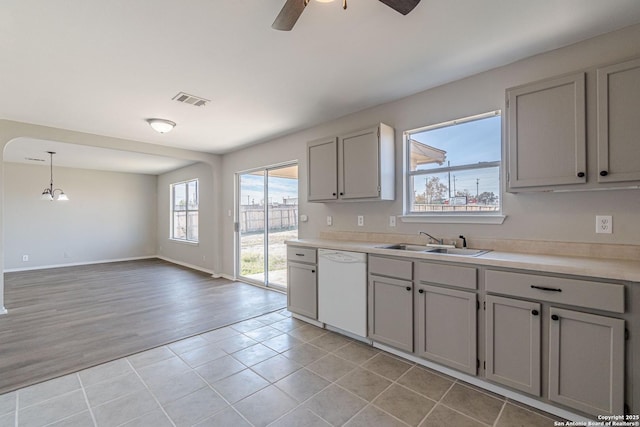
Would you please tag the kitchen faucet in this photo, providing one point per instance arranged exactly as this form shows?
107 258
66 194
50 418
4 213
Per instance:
439 241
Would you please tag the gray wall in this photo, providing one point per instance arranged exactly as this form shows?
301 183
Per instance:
201 255
109 216
566 217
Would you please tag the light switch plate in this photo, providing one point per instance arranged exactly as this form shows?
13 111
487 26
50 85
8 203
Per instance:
604 224
329 220
392 221
360 220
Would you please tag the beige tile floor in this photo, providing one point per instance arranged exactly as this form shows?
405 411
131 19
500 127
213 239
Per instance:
273 370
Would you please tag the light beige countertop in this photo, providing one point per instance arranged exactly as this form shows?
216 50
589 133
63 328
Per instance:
611 269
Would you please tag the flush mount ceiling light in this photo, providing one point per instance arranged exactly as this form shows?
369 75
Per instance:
161 125
49 193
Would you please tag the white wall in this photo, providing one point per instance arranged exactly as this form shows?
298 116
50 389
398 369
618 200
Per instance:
202 255
109 216
542 216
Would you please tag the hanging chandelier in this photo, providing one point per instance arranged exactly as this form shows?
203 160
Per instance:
49 193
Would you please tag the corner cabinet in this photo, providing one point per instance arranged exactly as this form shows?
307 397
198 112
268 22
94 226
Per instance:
546 131
302 284
619 122
359 166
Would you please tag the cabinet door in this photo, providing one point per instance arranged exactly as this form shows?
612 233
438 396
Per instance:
322 169
586 362
302 297
546 133
513 343
446 327
359 165
391 312
619 122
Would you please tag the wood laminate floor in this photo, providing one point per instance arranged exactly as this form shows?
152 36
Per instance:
66 319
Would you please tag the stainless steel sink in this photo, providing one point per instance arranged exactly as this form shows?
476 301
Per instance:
444 251
457 251
405 247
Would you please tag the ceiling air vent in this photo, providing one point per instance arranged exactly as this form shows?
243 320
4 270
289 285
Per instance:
190 99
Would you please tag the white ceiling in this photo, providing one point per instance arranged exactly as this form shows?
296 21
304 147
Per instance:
104 67
34 152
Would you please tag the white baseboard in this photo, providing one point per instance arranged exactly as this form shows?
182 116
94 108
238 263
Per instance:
3 311
75 264
186 264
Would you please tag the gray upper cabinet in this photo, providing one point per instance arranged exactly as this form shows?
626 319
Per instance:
546 131
586 361
356 166
512 336
619 122
322 170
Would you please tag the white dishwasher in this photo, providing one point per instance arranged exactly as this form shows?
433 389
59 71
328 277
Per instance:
342 290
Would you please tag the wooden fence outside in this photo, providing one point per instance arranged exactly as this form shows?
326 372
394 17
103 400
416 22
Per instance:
281 218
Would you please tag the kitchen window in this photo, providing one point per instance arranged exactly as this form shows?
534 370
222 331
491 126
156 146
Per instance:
453 170
184 211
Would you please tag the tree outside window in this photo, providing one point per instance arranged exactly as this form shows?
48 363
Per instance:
454 167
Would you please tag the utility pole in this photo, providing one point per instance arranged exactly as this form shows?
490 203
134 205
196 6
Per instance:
477 186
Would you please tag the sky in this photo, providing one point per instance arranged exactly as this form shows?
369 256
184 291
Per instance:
466 143
252 188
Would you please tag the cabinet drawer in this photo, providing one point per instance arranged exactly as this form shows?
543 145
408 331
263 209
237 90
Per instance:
581 293
397 268
463 277
296 253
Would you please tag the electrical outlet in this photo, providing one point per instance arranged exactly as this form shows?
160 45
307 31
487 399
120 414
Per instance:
360 220
392 221
604 224
329 220
25 258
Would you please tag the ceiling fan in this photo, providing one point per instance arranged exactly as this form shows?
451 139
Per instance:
292 10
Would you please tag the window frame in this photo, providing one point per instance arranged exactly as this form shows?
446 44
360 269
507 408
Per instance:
491 217
187 210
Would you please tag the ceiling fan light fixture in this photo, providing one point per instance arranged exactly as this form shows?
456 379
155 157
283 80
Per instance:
161 125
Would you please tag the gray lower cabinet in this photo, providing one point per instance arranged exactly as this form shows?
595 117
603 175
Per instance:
302 282
390 302
512 334
586 361
446 326
391 312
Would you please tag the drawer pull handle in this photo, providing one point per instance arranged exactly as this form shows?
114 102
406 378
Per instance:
408 288
535 312
544 288
299 254
313 271
421 291
555 317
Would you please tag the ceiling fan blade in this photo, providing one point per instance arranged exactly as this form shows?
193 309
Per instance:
289 14
402 6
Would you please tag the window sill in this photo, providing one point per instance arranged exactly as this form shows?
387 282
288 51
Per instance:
186 242
454 219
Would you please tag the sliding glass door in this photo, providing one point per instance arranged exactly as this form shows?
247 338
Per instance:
267 216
